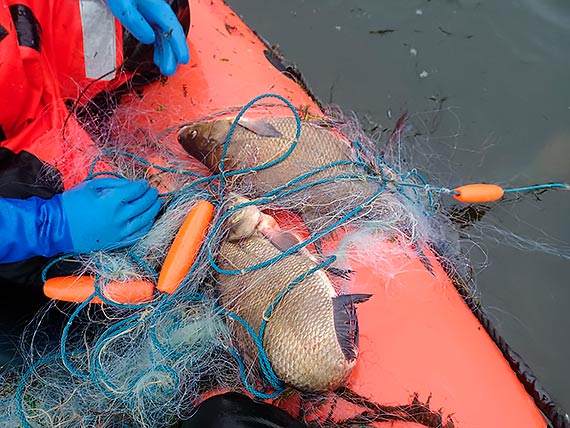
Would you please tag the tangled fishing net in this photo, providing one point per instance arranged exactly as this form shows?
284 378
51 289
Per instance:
148 364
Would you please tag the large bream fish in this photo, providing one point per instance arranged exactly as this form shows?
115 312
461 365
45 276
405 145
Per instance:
311 336
321 165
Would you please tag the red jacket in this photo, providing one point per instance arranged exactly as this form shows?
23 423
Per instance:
46 58
55 53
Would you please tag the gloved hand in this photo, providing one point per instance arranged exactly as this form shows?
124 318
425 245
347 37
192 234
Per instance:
98 214
153 21
109 213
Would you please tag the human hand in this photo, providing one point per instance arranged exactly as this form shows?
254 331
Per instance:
109 213
154 22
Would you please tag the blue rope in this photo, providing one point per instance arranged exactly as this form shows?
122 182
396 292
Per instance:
19 395
293 249
97 374
99 293
234 125
140 262
166 302
265 365
286 290
63 340
51 263
539 187
263 395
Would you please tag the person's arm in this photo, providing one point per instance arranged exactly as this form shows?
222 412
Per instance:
99 214
32 227
154 22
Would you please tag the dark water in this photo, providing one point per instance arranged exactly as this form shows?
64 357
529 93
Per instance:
493 105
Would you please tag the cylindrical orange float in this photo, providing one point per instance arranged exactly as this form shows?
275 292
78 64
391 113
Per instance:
185 247
80 288
478 193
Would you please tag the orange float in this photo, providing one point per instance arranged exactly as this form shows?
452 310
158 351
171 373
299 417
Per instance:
185 247
80 288
417 334
478 193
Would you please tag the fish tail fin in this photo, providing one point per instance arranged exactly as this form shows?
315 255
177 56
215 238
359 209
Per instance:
346 322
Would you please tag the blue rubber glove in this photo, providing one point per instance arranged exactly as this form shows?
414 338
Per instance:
153 21
99 214
109 213
32 227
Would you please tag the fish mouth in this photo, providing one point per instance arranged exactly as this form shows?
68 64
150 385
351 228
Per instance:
204 149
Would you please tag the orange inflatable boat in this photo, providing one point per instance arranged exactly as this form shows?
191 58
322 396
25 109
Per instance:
418 336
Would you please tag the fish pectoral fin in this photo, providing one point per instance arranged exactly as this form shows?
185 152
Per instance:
357 298
341 273
260 127
346 322
283 240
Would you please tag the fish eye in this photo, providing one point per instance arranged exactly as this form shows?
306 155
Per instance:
193 134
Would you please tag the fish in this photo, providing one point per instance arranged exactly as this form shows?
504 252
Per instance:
320 171
311 335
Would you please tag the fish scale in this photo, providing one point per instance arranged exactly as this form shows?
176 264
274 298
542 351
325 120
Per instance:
300 338
315 148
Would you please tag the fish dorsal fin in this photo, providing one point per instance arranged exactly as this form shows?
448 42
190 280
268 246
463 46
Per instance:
260 127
